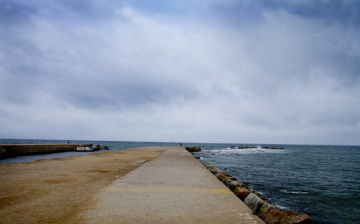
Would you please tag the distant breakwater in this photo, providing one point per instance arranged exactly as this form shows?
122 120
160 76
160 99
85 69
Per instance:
259 204
10 150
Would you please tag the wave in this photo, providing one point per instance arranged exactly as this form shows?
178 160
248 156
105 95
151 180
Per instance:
232 151
293 192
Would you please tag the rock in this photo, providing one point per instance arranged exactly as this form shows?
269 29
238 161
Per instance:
223 173
104 147
274 216
213 169
223 178
254 202
80 149
241 192
263 198
226 182
232 147
193 148
233 184
265 208
96 147
84 149
85 145
88 149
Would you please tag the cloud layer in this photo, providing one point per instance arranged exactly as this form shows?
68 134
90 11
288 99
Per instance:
189 71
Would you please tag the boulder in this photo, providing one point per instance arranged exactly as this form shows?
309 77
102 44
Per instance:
88 149
233 184
85 145
96 147
80 149
213 169
225 178
193 148
265 208
254 202
104 147
274 216
223 173
84 149
241 192
232 147
263 198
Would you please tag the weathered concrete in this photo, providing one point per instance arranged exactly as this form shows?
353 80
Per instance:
25 149
174 188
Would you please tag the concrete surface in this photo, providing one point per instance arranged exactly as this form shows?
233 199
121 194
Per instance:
174 188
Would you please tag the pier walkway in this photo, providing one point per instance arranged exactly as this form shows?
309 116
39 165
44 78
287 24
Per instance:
174 188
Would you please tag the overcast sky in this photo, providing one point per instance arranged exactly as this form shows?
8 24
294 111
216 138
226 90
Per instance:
227 71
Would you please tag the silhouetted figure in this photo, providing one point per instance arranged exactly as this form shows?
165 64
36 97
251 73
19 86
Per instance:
180 144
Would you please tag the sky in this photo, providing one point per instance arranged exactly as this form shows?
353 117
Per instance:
215 71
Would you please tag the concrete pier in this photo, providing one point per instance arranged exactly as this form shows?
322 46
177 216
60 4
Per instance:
28 149
174 188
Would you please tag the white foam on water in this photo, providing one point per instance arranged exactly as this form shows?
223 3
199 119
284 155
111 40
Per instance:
231 151
281 207
293 192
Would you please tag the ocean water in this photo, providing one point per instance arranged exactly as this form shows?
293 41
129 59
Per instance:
321 181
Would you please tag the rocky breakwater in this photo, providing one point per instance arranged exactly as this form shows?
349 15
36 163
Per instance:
259 204
90 148
193 148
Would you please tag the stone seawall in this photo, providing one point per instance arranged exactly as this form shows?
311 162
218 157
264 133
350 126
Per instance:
260 205
7 150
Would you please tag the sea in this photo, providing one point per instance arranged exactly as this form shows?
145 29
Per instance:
322 181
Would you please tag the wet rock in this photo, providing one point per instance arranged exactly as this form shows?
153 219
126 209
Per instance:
265 208
104 147
193 148
254 202
223 178
213 169
223 173
263 198
241 192
233 184
274 216
232 147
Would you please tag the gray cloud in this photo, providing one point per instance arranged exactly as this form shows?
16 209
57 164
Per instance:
210 71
